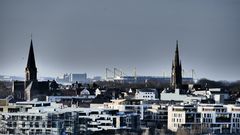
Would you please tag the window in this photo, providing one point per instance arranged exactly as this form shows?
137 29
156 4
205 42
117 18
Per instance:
14 124
43 124
46 104
36 124
31 124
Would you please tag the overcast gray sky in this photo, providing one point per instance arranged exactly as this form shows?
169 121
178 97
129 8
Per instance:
90 35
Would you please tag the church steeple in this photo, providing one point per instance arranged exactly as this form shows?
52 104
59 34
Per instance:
31 69
176 77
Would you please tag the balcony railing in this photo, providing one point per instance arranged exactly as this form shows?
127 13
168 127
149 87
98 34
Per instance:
223 119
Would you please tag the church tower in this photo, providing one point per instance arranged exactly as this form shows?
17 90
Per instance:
176 76
31 69
31 88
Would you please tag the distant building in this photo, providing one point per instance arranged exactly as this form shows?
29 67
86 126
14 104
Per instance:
177 96
97 78
146 94
81 78
128 105
82 100
30 88
217 94
146 79
98 92
72 78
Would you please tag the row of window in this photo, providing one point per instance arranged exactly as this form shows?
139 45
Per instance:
32 131
16 118
208 115
176 120
237 125
177 115
214 110
206 120
147 96
33 124
236 120
236 115
148 93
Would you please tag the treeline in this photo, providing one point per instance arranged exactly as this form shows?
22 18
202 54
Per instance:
5 89
232 87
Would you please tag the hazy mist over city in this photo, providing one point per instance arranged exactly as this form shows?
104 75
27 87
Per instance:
88 36
126 67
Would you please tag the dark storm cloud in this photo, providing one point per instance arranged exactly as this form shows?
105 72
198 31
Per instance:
87 36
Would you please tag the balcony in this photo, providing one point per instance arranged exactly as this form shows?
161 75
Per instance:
223 119
189 120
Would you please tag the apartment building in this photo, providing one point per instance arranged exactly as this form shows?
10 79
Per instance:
52 118
205 118
235 117
129 106
183 115
30 118
99 120
215 118
156 116
146 94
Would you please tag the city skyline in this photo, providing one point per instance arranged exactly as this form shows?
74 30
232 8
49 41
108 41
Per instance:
87 37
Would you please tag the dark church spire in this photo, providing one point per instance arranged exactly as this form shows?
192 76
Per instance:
176 77
31 69
31 59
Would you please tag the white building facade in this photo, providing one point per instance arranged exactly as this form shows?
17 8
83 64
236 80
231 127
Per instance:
205 118
146 94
